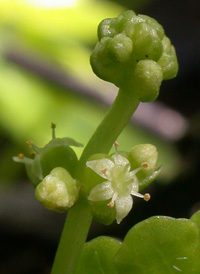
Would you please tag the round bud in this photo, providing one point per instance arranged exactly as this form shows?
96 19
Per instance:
107 28
57 191
168 61
147 78
154 24
144 155
146 42
120 48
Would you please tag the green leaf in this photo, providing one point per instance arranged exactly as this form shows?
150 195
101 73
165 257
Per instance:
196 219
97 256
195 263
160 245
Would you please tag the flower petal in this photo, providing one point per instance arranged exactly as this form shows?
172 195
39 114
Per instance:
120 160
101 166
123 206
101 192
134 187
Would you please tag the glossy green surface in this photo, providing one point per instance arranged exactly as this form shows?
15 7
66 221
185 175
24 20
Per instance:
160 245
98 256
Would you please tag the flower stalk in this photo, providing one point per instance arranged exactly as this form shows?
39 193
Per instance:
102 140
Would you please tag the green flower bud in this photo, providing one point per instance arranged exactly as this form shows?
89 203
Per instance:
103 64
154 24
125 22
127 40
168 61
147 78
106 28
120 48
146 42
146 155
57 191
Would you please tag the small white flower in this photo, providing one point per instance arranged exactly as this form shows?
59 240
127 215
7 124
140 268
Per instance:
119 185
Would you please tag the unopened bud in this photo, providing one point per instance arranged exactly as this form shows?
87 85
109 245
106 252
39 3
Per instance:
57 191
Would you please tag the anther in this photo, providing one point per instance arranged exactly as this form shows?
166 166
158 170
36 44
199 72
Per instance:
20 155
116 144
147 197
145 165
111 204
104 171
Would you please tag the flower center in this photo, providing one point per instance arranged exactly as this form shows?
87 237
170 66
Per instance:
121 180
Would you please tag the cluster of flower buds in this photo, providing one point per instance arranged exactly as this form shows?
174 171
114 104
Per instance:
134 53
113 180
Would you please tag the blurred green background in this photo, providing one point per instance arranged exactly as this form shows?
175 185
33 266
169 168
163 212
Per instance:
45 77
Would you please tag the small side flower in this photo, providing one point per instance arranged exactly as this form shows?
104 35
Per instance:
120 183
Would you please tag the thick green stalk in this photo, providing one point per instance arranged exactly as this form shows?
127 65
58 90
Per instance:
109 129
79 218
73 237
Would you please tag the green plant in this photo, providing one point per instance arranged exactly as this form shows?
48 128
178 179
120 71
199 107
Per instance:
134 54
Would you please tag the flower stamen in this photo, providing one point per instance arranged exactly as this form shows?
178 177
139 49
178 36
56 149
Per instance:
116 144
112 202
104 171
146 196
20 155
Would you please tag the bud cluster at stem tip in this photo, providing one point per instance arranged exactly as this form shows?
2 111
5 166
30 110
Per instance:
133 53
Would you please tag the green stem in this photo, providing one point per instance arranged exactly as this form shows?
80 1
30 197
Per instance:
73 237
79 218
109 129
